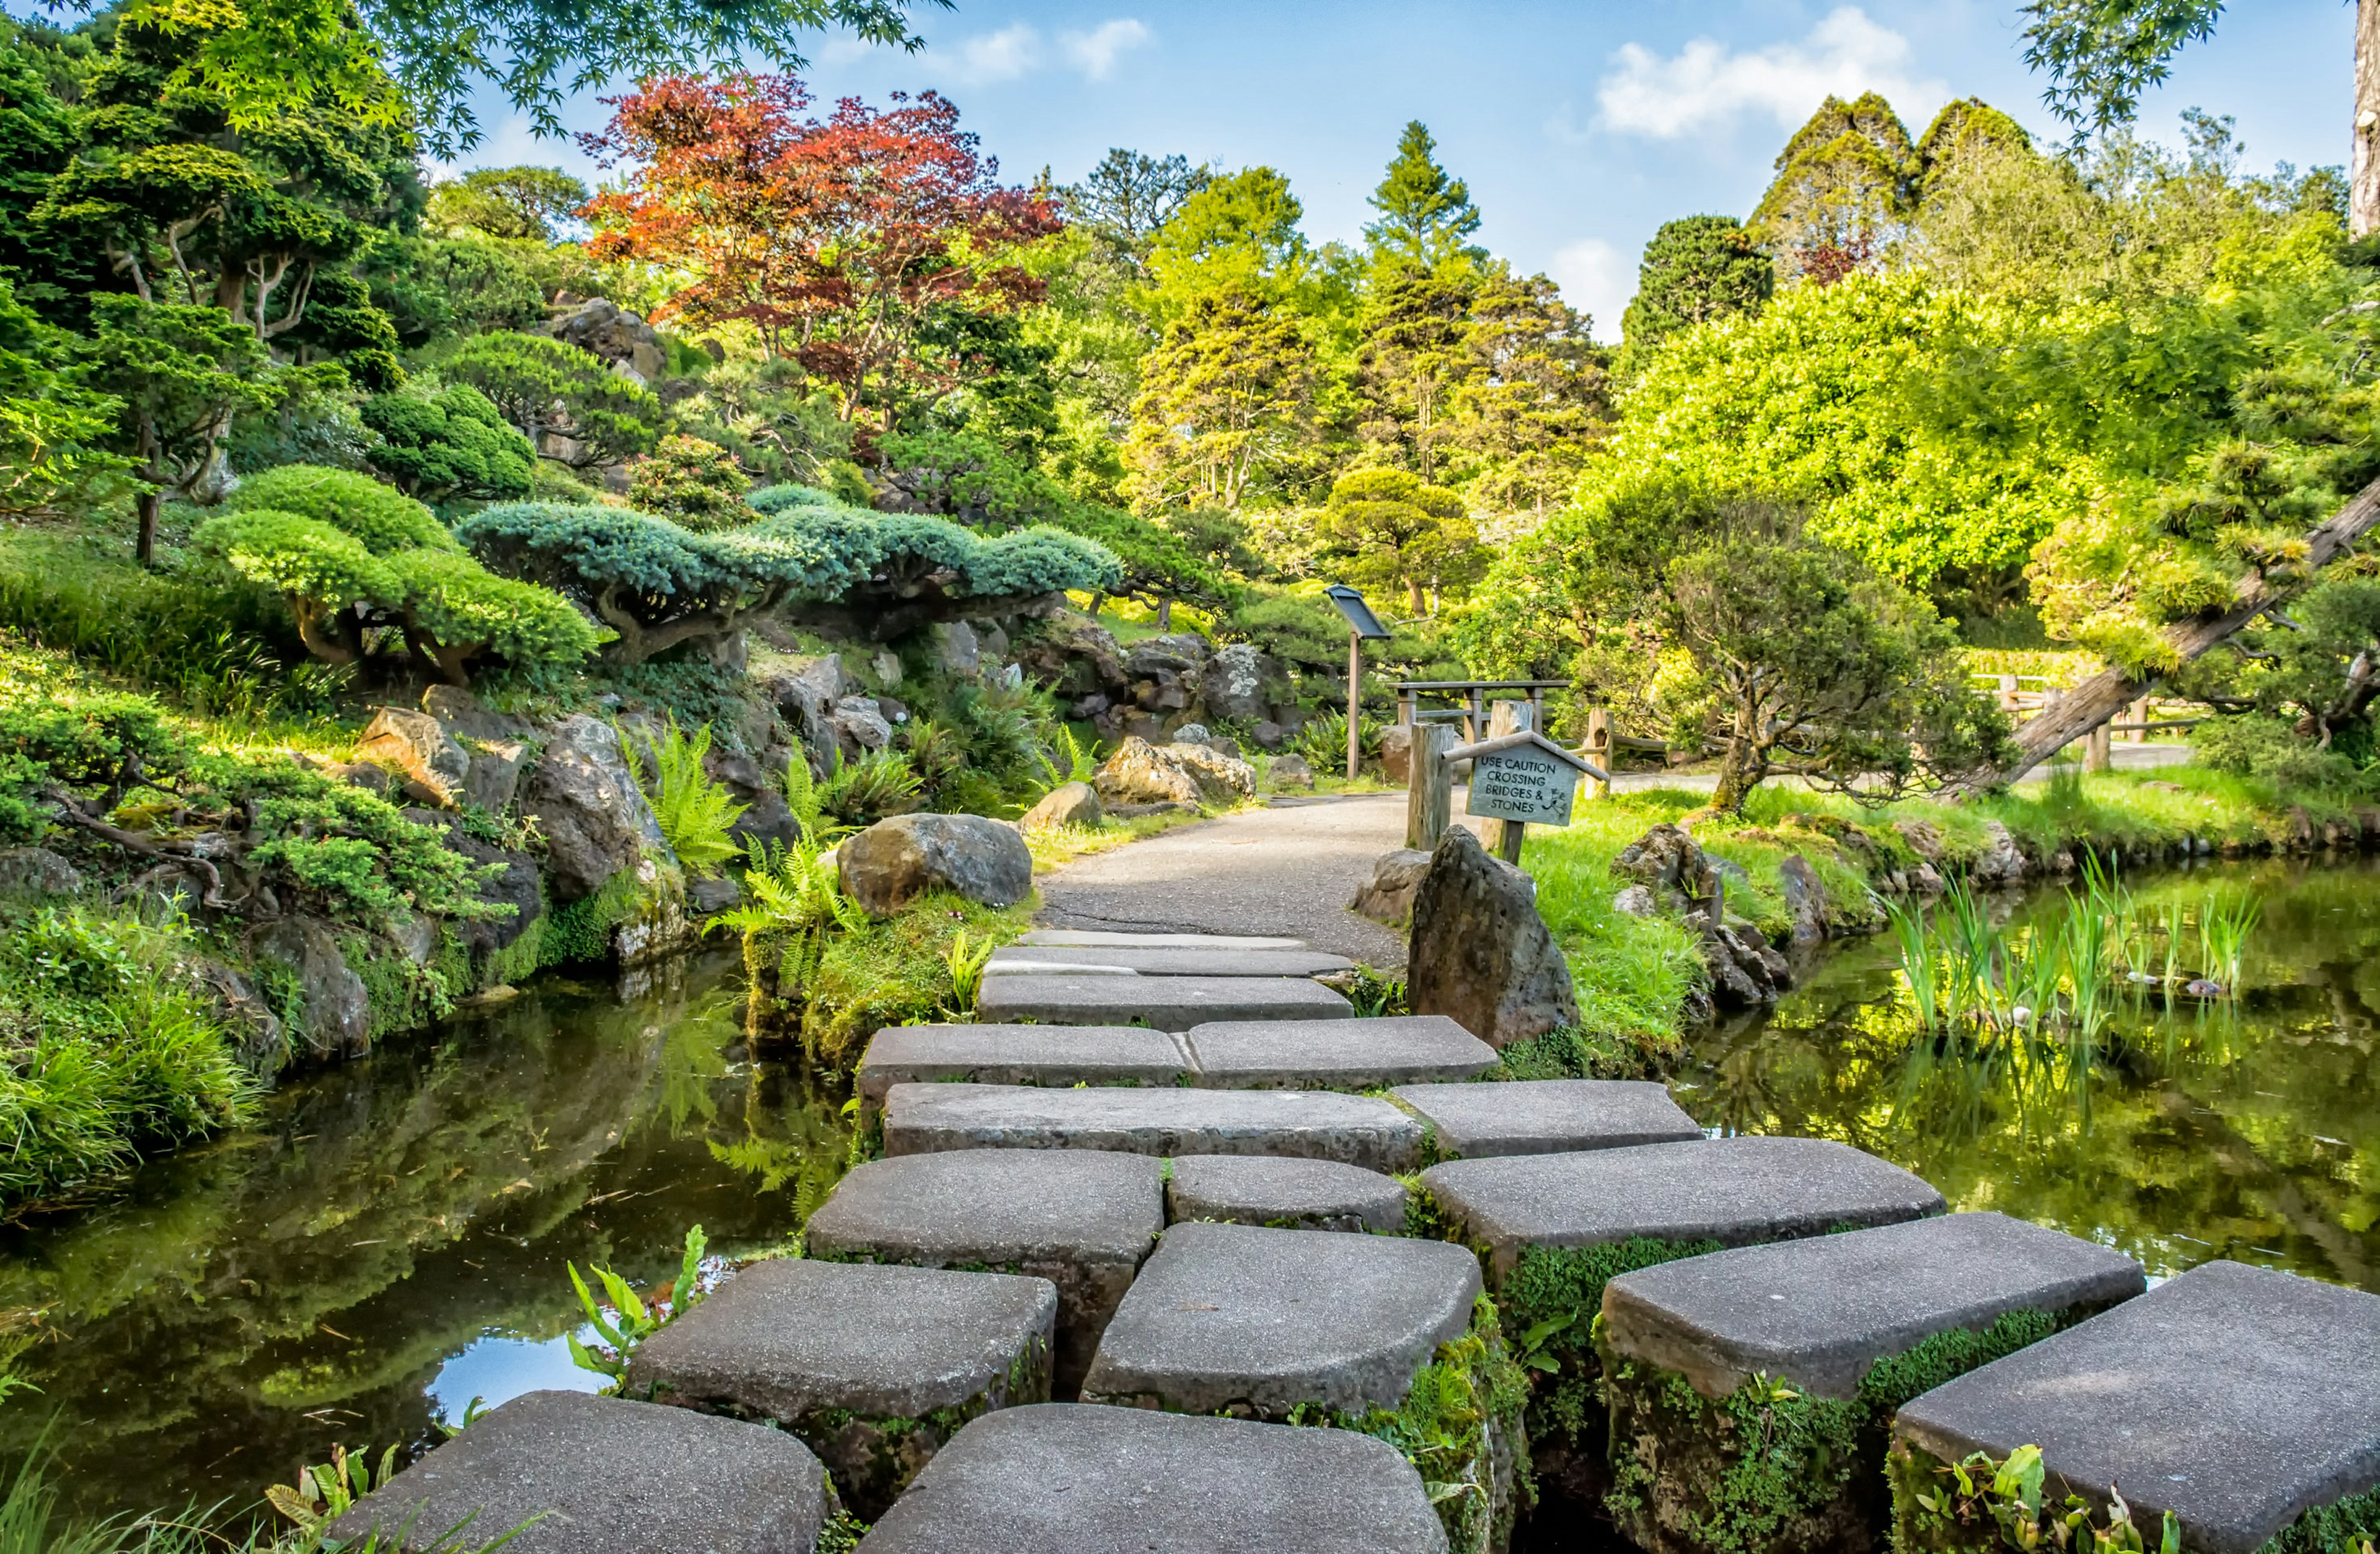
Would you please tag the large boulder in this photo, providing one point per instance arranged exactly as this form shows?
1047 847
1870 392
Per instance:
1388 896
594 820
1140 773
332 1013
603 328
435 766
957 649
1479 954
37 871
2002 862
1291 771
1164 673
893 862
1068 804
1075 660
805 693
1672 865
1241 682
1806 898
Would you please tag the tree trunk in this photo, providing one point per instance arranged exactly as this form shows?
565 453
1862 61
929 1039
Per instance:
2099 699
144 549
2363 177
1414 599
1739 774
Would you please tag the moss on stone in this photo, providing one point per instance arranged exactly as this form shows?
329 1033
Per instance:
1554 1295
1769 1469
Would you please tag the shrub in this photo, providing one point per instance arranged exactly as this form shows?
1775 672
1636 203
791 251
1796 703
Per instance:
696 482
449 445
769 501
542 385
863 792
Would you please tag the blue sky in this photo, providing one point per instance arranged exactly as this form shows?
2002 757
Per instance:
1580 126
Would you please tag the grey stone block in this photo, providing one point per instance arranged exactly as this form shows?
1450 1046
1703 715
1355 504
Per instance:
1163 961
1735 1191
606 1476
1083 1220
1297 1195
1054 1055
1167 1003
1299 1124
1257 1321
1157 941
1548 1116
873 1369
1334 1055
2236 1398
1093 1480
1819 1312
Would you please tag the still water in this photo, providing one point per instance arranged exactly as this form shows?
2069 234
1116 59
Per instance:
390 1242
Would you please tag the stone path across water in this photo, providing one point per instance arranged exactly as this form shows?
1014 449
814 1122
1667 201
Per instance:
1193 1215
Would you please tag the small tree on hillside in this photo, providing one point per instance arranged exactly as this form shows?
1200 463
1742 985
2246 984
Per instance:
1232 385
1696 268
696 482
1396 529
541 386
449 443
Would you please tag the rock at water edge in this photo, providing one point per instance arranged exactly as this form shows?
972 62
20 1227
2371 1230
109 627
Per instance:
1479 951
893 862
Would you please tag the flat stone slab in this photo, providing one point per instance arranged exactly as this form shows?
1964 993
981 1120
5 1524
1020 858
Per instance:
1736 1191
1819 1312
1548 1116
1334 1055
1092 1480
1294 1195
2234 1397
1299 1124
1081 1219
607 1476
1254 1320
1058 1055
1101 937
1163 960
853 1358
1173 1004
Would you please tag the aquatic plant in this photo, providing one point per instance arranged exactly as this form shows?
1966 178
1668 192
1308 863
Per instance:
629 1320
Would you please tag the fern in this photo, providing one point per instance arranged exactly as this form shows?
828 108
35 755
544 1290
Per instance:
695 812
879 783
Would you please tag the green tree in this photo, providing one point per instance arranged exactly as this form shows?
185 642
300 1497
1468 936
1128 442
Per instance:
1414 354
53 430
179 374
1533 403
1231 387
1398 530
1425 217
522 203
696 482
1696 268
1237 234
448 444
432 288
1129 196
1845 183
572 408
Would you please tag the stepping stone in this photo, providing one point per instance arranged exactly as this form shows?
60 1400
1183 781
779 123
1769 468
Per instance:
1259 1321
1054 1055
1334 1055
1546 1116
1166 1002
1082 1219
1165 960
1293 1195
1817 1314
1102 937
608 1477
1300 1125
873 1369
2236 1398
1735 1191
1128 1481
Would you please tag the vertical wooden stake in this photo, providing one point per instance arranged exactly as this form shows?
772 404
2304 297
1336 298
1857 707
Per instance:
1598 749
1354 704
1503 717
2139 720
1430 796
1510 848
2097 757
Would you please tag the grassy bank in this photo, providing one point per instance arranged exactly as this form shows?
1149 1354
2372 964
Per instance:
1634 975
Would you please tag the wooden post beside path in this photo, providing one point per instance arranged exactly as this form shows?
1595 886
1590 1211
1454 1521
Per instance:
1355 703
1503 837
1429 793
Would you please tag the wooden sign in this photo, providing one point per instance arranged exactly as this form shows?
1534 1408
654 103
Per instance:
1523 777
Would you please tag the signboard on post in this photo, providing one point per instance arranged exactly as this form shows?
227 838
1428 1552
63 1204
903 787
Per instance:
1524 779
1361 625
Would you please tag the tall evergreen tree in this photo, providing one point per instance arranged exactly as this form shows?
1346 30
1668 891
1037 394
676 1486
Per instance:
1845 185
1425 215
1696 268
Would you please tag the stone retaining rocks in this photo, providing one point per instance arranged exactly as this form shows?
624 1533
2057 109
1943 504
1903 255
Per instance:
1290 1194
2236 1398
1140 773
1546 1116
1334 1055
435 766
1736 1191
1055 1055
1298 1124
607 1476
895 861
334 1013
1816 1315
1388 896
587 807
1081 1219
874 1368
1167 1003
1161 959
1068 804
1093 1480
1479 952
1254 1321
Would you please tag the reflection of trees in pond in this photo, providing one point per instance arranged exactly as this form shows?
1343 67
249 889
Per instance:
250 1302
2187 1134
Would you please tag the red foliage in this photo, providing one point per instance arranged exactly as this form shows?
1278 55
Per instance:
1825 263
833 237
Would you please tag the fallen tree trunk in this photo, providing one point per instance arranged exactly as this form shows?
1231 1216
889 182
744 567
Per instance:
2101 698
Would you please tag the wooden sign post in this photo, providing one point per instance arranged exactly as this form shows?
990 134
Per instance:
1361 623
1522 779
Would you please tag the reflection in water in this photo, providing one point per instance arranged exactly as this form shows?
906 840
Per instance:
390 1241
2204 1130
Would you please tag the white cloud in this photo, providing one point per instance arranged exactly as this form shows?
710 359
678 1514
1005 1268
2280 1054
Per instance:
1705 83
1596 280
995 56
1094 53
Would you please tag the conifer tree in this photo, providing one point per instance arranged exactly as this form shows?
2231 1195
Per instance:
1425 215
1696 268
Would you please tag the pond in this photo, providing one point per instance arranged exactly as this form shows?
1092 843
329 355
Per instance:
390 1242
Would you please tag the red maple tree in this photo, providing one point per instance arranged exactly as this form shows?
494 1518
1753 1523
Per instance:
835 239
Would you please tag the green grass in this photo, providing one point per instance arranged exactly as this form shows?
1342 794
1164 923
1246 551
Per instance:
897 972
